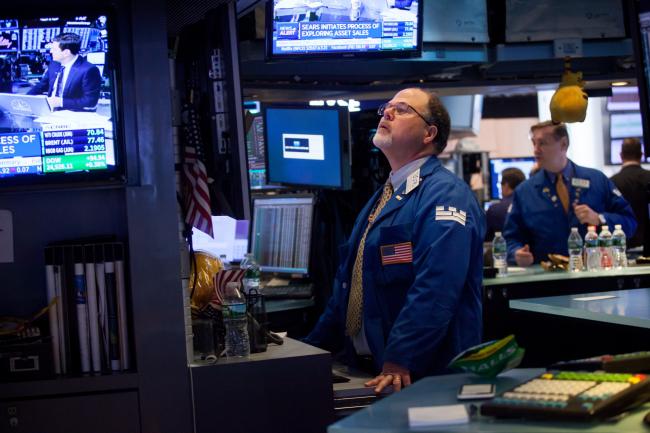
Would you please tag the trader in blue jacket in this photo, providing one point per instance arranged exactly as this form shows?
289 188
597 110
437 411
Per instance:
559 196
407 294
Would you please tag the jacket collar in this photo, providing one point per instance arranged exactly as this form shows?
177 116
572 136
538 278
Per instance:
542 178
401 196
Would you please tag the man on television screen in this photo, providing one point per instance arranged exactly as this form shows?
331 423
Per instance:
70 82
407 293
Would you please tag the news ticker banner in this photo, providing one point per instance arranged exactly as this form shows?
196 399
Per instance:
52 151
325 36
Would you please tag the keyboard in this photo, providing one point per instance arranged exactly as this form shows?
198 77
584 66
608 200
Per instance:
571 395
291 291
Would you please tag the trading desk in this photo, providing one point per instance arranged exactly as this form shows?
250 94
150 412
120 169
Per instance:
286 389
621 307
390 414
536 274
499 319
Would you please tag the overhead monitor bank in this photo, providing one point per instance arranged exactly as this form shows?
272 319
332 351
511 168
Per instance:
344 28
41 144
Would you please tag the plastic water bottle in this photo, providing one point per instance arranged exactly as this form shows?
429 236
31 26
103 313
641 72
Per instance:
591 248
619 246
575 250
499 254
235 322
251 274
605 244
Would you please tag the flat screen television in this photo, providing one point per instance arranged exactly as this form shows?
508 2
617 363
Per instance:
497 165
307 146
373 28
58 122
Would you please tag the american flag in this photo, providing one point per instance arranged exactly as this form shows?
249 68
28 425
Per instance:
220 280
196 194
397 253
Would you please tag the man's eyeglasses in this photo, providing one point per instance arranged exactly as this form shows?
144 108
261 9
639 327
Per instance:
401 108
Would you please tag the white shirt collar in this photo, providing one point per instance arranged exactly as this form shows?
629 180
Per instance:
398 177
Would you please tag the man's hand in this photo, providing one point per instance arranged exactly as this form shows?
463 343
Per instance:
392 374
523 256
586 215
55 102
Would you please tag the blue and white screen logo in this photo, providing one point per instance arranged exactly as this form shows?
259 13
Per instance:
303 146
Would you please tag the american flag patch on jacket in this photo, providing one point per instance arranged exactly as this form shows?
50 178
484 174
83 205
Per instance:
396 253
450 214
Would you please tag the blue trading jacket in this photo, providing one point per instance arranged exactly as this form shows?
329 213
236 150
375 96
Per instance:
537 218
419 314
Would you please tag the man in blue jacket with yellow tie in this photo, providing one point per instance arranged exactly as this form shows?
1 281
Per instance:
407 294
559 196
70 82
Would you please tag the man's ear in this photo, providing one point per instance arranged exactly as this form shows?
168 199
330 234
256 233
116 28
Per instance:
432 132
565 143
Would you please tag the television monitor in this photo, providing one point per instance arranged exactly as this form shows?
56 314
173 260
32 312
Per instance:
281 233
308 146
351 28
9 40
497 165
38 38
465 113
624 99
41 143
626 124
256 152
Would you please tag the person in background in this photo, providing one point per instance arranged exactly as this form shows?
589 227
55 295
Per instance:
633 182
496 214
407 294
70 82
559 196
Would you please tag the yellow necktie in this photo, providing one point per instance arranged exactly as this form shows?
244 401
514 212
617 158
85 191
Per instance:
562 192
355 301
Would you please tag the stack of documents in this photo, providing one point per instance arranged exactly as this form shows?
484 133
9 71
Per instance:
437 415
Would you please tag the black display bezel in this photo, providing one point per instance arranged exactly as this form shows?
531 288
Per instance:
344 137
270 56
112 176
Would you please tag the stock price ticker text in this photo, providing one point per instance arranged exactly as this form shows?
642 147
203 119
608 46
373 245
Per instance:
52 151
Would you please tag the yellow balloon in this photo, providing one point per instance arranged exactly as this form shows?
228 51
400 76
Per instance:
207 266
569 102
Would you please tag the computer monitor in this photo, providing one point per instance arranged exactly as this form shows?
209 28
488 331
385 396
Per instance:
497 165
281 233
256 152
368 28
308 146
465 112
